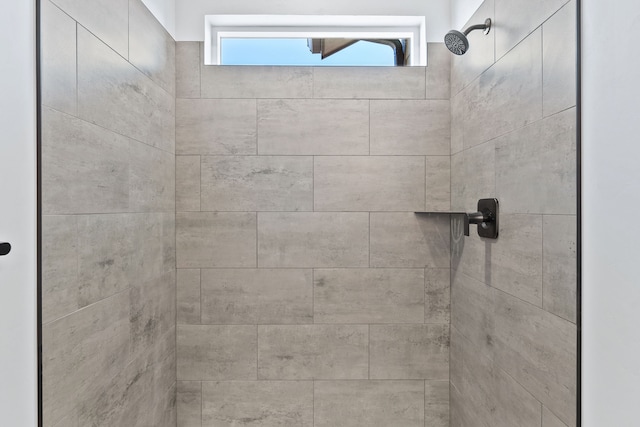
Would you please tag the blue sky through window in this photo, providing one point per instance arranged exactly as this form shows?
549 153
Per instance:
247 51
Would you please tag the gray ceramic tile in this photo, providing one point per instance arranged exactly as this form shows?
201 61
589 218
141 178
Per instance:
188 296
261 296
410 127
457 117
538 350
58 56
483 395
438 183
256 82
151 49
409 352
107 19
436 403
350 183
489 109
321 127
559 60
210 239
369 296
550 420
188 69
82 353
210 127
152 179
313 352
264 403
516 258
536 167
437 307
152 241
216 352
85 168
480 56
438 71
369 403
114 94
318 239
187 183
560 265
472 308
257 183
473 177
369 82
189 402
59 266
471 255
517 18
409 240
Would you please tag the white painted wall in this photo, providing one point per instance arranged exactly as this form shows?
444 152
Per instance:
190 13
611 202
462 11
18 380
165 12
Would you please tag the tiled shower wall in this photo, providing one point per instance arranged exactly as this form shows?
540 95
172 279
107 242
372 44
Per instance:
108 226
308 291
513 338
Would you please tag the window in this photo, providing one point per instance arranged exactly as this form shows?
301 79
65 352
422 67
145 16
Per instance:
351 34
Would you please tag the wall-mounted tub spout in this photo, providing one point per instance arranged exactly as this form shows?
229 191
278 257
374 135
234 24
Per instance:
486 218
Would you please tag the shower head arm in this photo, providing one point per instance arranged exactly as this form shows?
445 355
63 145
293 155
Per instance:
486 27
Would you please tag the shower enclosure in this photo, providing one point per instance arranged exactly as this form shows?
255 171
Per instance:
230 246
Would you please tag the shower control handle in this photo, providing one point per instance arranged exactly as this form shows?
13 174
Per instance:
486 218
5 248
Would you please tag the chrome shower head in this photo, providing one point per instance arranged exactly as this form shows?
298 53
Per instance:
457 41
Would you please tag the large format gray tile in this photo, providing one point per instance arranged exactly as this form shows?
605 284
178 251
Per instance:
58 56
257 183
436 403
187 183
481 53
314 239
189 402
82 353
457 122
437 307
206 352
188 296
368 183
151 49
263 296
114 94
507 96
410 127
550 420
264 403
473 177
212 239
438 184
313 352
308 126
152 179
536 167
483 395
210 127
538 350
256 82
59 266
409 352
560 265
559 60
369 403
85 168
517 18
369 82
409 240
107 19
188 69
368 296
516 258
438 83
